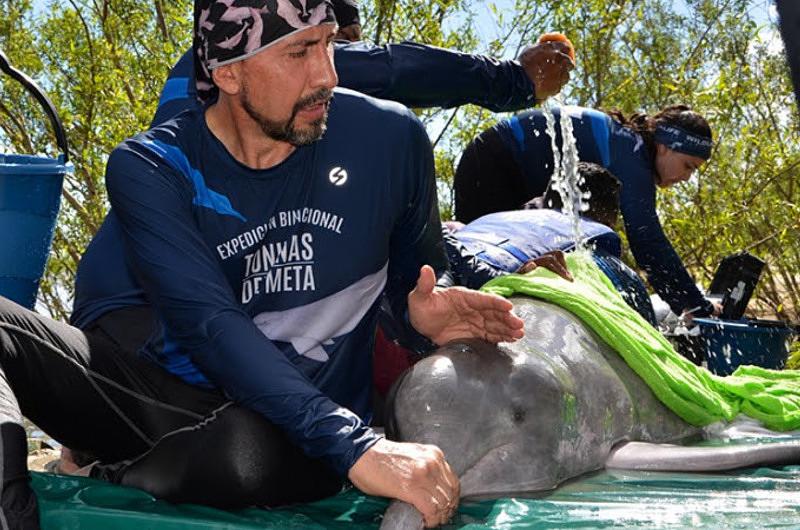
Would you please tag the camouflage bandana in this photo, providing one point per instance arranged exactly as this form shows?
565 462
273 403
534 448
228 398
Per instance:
226 31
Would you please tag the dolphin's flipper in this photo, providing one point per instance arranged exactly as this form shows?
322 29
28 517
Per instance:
666 457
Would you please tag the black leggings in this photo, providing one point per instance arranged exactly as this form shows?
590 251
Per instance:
148 428
488 179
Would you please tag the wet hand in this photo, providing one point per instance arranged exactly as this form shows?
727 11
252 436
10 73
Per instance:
548 65
443 315
414 473
553 261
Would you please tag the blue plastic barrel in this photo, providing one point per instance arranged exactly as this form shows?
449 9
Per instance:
30 195
728 344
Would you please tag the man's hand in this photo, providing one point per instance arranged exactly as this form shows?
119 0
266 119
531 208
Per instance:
548 65
443 315
553 261
415 473
350 33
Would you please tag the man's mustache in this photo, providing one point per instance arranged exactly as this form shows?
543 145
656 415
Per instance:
323 95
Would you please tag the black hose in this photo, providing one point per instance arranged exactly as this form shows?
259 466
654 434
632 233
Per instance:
44 101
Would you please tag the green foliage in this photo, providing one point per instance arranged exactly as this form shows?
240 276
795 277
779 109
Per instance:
103 65
793 363
104 62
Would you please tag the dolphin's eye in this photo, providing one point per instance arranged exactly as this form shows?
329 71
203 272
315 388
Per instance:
519 416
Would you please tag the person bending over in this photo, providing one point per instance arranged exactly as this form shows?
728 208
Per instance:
263 237
514 159
505 242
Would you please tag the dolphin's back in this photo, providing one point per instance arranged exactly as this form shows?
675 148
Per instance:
599 378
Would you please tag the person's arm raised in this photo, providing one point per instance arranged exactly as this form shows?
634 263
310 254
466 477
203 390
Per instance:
423 76
416 75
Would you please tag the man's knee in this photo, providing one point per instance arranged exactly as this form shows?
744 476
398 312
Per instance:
9 309
266 468
233 459
251 451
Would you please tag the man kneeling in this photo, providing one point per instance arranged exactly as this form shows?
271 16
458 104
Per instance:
263 237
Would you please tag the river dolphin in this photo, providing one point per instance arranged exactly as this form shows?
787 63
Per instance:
559 403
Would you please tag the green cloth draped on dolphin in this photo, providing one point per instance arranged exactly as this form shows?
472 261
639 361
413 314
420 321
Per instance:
692 392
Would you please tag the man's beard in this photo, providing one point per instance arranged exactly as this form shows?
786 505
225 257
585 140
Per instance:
286 131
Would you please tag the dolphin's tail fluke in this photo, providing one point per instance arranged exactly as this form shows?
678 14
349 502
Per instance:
402 516
665 457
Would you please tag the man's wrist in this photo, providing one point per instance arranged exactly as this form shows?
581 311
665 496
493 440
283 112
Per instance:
417 342
536 99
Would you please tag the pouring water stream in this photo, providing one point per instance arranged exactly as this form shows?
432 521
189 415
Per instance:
566 179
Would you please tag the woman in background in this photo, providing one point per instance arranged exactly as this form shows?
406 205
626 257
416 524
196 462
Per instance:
512 162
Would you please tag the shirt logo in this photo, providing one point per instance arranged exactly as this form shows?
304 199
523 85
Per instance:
337 176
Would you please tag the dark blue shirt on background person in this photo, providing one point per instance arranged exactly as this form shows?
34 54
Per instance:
501 243
524 150
393 71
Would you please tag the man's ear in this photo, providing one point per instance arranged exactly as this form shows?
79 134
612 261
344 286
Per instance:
228 78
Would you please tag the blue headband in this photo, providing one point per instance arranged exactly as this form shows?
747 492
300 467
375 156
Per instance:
683 141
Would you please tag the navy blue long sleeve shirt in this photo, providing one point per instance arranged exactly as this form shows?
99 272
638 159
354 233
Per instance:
245 268
413 74
416 75
215 326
